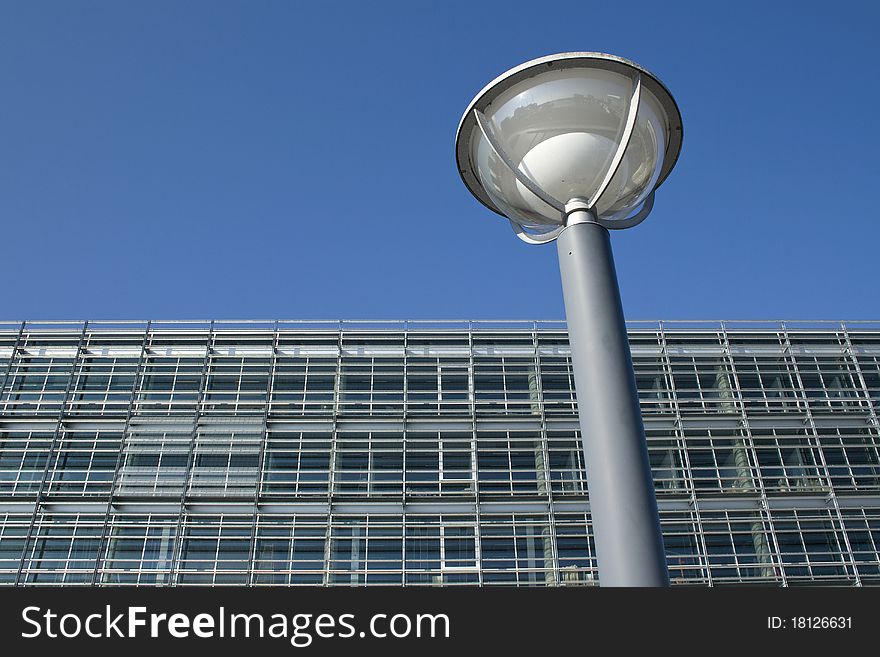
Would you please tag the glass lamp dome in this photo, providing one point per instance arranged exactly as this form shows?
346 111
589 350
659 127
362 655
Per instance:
585 130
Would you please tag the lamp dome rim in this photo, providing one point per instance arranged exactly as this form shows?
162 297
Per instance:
562 61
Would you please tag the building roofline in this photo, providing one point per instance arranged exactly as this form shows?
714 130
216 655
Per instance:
429 325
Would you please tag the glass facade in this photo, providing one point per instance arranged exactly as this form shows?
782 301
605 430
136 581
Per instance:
424 453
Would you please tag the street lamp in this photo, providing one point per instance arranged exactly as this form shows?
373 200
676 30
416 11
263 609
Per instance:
567 147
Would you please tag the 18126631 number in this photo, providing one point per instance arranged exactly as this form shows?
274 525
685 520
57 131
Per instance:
820 622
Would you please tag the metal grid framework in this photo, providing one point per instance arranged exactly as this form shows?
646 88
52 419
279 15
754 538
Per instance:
424 453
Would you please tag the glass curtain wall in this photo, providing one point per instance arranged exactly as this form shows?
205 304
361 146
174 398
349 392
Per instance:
424 453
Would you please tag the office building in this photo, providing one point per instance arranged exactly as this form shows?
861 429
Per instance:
425 453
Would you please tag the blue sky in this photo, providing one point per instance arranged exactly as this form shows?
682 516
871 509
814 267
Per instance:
295 160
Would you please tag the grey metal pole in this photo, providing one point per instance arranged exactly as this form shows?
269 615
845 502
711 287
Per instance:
626 525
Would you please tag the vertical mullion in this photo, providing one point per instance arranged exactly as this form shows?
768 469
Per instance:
749 441
872 412
548 478
475 467
104 541
403 514
12 357
270 386
331 474
199 411
41 491
685 457
15 348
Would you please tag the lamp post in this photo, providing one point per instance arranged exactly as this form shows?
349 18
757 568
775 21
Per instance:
568 147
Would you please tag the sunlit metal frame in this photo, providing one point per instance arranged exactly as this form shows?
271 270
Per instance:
787 506
475 119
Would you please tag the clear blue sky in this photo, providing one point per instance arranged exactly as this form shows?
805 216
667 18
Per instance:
295 160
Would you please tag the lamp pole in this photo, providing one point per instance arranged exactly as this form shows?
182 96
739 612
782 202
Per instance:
626 524
567 147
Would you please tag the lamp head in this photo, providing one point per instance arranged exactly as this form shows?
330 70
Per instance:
584 130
